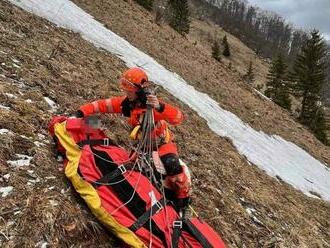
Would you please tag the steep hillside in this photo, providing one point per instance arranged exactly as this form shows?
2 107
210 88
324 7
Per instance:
202 71
206 32
247 207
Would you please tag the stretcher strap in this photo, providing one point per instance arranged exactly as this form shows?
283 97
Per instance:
111 176
197 234
148 214
94 142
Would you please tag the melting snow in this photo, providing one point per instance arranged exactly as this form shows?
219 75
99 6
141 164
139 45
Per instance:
250 211
23 160
41 136
51 103
50 177
25 137
4 107
16 66
5 131
33 181
38 144
42 244
5 190
53 203
269 152
15 61
10 223
11 95
6 176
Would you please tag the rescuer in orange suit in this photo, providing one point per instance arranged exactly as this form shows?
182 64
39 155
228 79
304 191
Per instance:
133 105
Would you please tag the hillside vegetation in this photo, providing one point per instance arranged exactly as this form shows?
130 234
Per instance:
38 60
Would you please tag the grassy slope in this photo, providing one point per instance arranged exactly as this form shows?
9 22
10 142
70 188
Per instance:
289 219
206 32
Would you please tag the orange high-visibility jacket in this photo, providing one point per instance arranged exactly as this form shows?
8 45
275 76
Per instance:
115 105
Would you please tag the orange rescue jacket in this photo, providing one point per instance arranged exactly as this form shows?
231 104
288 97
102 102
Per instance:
121 105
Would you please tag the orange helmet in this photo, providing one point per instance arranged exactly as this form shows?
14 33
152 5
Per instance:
133 79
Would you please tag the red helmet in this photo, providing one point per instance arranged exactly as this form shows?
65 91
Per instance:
133 79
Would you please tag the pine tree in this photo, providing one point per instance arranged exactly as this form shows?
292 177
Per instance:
226 49
249 75
320 125
179 16
147 4
216 50
277 84
307 78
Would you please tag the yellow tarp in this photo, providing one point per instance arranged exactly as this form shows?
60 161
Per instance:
87 191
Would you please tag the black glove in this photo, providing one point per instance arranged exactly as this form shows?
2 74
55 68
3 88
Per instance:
78 114
182 203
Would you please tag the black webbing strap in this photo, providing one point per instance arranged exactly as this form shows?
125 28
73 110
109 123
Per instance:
177 228
94 142
111 176
197 234
148 214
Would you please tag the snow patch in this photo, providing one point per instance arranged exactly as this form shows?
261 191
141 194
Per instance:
25 137
5 190
50 177
16 61
6 176
10 223
41 136
11 95
250 211
42 244
4 107
51 103
53 203
23 160
5 131
271 153
33 181
38 144
16 66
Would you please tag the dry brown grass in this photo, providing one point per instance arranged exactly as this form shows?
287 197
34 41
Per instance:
288 218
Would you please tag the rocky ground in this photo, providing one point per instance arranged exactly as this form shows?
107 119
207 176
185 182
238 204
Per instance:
45 70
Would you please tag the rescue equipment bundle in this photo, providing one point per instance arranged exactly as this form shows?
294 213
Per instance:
127 196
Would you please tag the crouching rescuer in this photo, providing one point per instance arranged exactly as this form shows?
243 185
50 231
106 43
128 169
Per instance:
133 105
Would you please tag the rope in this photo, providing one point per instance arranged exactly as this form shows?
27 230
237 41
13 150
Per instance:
149 145
145 163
